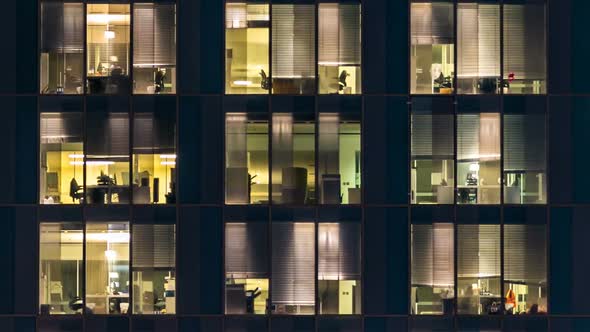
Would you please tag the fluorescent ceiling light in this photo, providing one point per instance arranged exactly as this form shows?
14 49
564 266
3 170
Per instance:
243 83
109 34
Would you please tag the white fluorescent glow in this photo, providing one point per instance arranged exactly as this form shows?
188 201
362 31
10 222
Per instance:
111 255
168 163
75 156
167 156
108 34
243 83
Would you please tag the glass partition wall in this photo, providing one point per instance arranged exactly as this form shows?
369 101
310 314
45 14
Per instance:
339 42
62 48
247 48
154 48
432 58
108 44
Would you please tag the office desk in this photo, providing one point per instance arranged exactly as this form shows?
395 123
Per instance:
100 303
484 194
96 194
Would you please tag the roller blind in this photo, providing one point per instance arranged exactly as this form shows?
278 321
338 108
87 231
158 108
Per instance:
339 33
293 40
524 142
478 136
62 26
525 253
478 33
154 246
339 247
432 23
432 136
478 250
524 41
433 255
293 263
154 34
246 253
61 127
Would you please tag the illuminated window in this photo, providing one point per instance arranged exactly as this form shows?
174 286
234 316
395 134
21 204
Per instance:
339 63
247 48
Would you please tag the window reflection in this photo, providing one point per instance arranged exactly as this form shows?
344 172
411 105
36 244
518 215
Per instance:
247 48
107 267
432 58
339 42
61 268
108 43
62 48
293 143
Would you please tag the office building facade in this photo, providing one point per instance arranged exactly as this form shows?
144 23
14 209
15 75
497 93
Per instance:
294 165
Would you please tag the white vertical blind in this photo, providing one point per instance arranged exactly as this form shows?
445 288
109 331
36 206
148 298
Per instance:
154 34
339 34
478 42
293 40
339 246
433 261
478 250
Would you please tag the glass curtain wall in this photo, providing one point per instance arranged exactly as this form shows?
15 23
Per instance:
107 267
62 48
107 46
433 151
247 48
339 42
432 58
293 163
62 158
478 48
154 268
60 268
154 48
293 49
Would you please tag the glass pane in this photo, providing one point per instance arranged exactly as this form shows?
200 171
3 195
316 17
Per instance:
154 157
293 49
339 42
478 48
478 269
246 268
432 58
154 48
246 48
339 268
340 158
478 158
154 269
60 270
107 267
433 269
524 48
246 148
62 158
62 48
108 36
293 164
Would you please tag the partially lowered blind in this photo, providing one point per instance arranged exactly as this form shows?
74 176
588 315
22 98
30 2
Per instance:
524 142
478 136
478 42
154 246
478 250
339 251
432 23
432 135
108 134
293 263
293 40
154 34
524 41
246 253
525 253
339 34
433 255
61 128
62 26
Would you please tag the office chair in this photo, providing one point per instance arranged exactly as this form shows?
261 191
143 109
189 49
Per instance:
76 191
265 83
342 80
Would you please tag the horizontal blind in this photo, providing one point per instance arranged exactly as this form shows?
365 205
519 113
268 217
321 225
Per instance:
478 250
153 133
339 246
293 263
246 253
432 136
433 255
154 246
432 23
444 255
62 26
422 252
467 136
478 40
524 142
478 136
61 128
524 41
293 40
154 34
339 35
525 253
